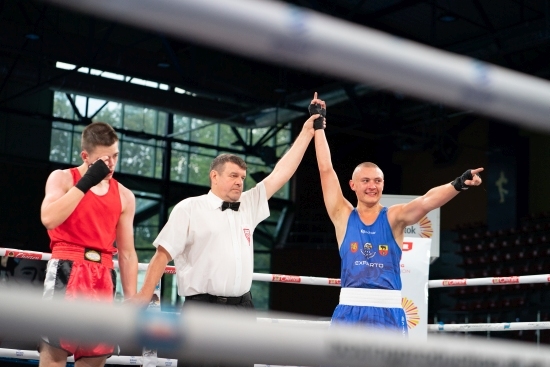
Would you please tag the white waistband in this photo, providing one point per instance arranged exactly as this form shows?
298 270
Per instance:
370 297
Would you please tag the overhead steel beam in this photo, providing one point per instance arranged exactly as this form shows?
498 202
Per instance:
276 32
120 91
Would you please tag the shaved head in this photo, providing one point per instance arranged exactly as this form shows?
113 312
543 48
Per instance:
365 165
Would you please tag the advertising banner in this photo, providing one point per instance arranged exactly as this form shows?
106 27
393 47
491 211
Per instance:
415 265
427 227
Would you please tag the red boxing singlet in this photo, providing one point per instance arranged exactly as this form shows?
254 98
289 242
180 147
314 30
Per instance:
94 221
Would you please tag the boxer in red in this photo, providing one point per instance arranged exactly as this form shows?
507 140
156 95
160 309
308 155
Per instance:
85 211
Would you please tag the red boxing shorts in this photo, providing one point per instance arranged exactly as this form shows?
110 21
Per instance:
84 275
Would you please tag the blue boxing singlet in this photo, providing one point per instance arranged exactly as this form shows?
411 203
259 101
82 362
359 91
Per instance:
371 276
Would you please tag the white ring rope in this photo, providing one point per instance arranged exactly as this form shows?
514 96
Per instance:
523 279
309 323
205 334
294 279
279 32
24 254
122 360
307 280
498 326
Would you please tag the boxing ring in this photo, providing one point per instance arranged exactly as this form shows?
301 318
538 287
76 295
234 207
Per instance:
169 332
280 33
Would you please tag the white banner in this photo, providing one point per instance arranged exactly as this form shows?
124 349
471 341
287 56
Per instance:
415 265
427 227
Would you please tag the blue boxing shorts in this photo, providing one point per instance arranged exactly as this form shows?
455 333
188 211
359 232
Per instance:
374 308
380 318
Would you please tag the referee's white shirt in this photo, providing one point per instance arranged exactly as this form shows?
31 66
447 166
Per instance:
213 249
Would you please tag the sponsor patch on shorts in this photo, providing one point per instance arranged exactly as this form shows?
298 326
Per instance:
92 255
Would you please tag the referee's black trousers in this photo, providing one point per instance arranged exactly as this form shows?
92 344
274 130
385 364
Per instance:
243 302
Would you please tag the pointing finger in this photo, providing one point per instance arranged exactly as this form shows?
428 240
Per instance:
474 171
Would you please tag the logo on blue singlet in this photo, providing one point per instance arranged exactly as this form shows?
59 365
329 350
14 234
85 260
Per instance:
367 251
367 232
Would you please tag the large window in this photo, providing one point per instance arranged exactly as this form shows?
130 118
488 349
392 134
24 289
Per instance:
142 153
194 142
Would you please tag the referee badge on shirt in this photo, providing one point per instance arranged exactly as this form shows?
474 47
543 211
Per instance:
247 234
354 246
383 250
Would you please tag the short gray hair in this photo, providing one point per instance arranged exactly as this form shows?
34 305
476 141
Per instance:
219 162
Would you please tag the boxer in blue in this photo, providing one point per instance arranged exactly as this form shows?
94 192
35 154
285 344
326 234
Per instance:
370 236
370 269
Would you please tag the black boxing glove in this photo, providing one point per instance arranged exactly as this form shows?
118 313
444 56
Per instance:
458 182
315 108
319 123
94 175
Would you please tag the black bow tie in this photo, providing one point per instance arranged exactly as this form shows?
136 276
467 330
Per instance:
227 205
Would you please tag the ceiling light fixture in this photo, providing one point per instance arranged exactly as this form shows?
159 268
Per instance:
447 17
32 36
